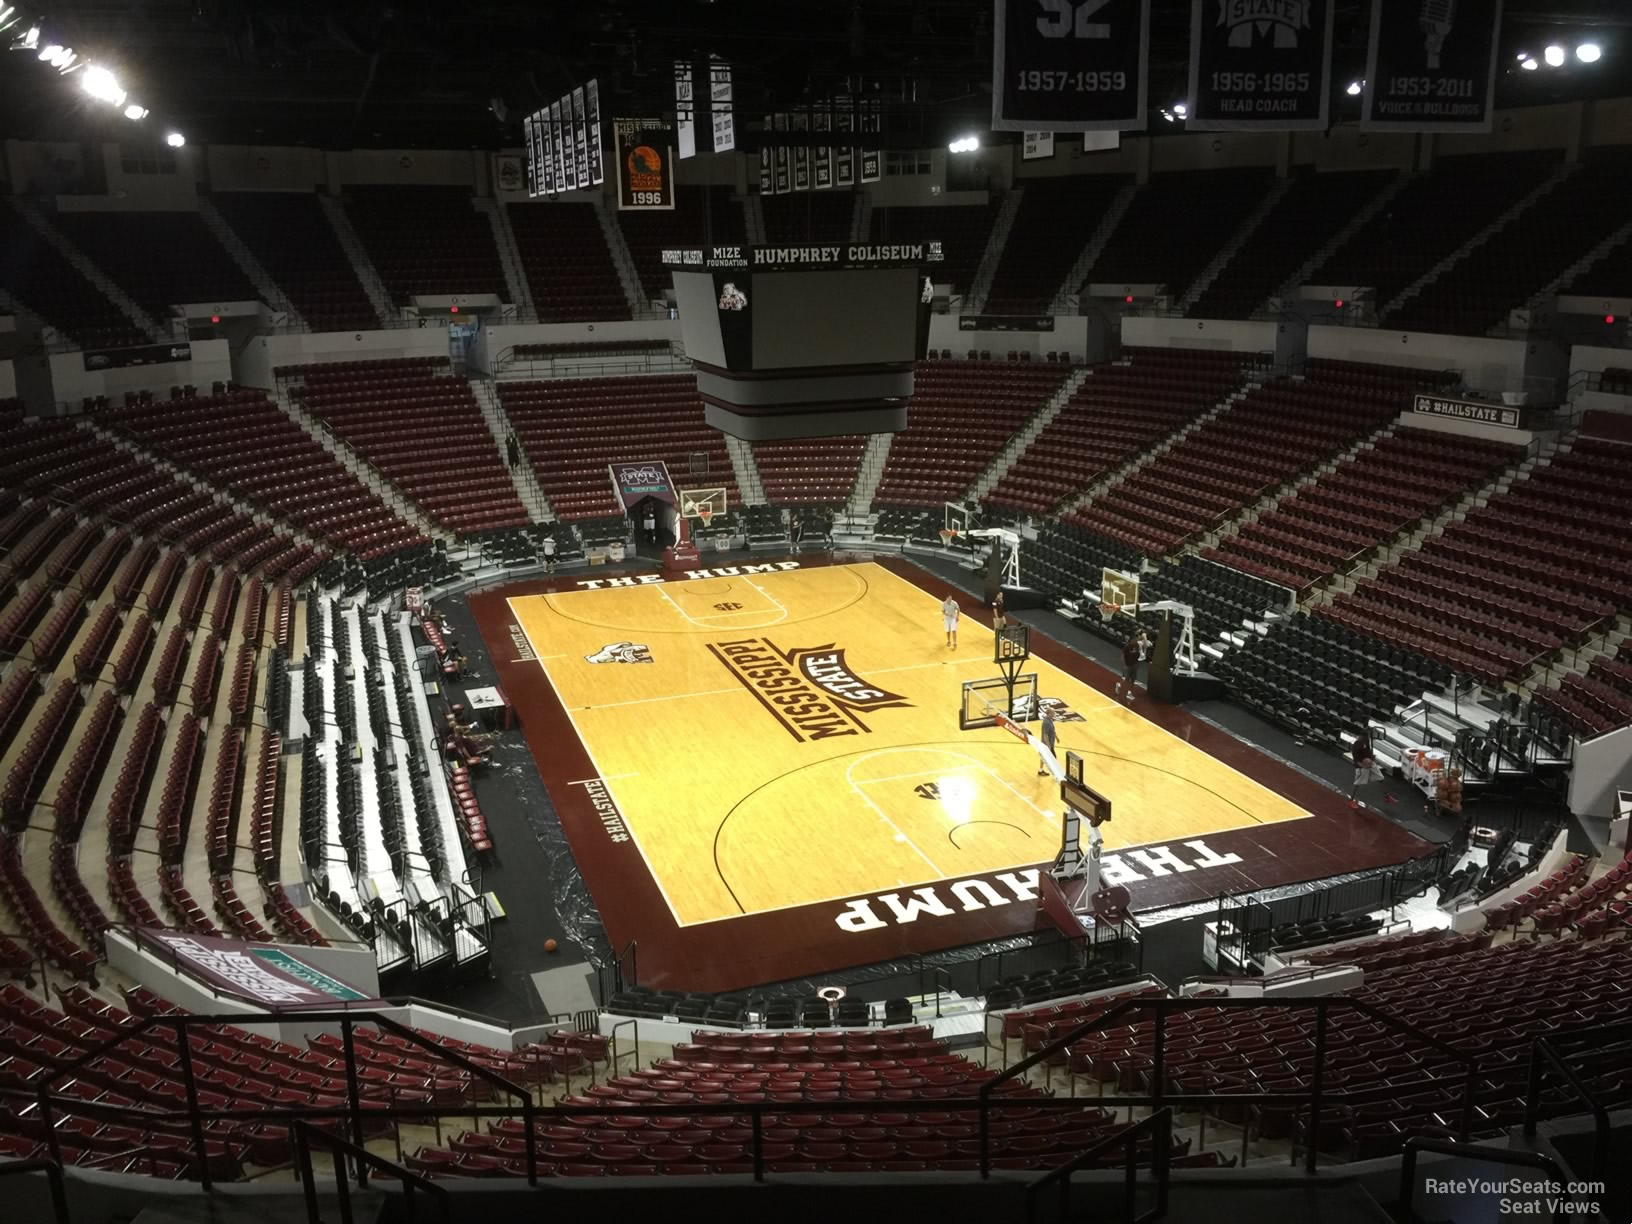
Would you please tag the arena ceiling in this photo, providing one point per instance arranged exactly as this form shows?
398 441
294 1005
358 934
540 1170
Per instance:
412 73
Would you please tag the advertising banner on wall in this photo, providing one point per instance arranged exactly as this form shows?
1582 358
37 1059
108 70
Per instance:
685 111
1069 65
645 163
719 102
1260 64
1431 66
592 109
268 977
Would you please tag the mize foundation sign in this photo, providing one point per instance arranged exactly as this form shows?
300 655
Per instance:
1470 410
268 977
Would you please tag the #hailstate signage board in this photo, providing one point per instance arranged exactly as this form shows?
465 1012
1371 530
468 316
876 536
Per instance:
1262 64
1431 65
1469 410
1070 65
268 977
645 163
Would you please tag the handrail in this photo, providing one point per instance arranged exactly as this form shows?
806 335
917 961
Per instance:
304 1132
1159 1125
53 1175
1470 1151
1543 1049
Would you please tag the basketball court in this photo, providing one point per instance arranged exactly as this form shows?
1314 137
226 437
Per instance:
779 742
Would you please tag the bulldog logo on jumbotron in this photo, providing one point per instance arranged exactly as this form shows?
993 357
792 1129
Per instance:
810 690
732 298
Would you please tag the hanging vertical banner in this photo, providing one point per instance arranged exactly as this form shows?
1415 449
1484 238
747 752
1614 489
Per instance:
645 150
592 109
767 158
1070 65
1037 145
719 104
544 138
580 138
784 173
872 158
801 151
558 134
569 147
1431 66
844 127
1260 64
532 157
685 111
821 120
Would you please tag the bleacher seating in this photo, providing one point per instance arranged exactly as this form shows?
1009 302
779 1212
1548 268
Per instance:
1177 223
1313 210
1226 464
427 241
42 281
1610 276
568 266
573 428
701 215
1513 581
962 230
1476 294
288 232
1432 216
427 435
1371 496
814 471
1597 702
1052 225
963 413
1118 411
241 441
160 259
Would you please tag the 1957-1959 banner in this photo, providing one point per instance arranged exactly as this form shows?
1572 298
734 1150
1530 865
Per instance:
1262 64
1070 65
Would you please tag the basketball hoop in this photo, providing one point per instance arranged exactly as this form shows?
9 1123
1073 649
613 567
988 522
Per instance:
1108 610
948 535
705 512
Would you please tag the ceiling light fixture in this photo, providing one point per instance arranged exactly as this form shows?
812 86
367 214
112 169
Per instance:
135 112
1529 65
1589 53
1554 55
102 85
175 140
1181 109
964 144
1354 88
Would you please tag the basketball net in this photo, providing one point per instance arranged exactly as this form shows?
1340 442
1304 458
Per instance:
705 512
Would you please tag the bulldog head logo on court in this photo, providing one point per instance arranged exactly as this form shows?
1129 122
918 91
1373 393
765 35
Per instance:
810 690
621 652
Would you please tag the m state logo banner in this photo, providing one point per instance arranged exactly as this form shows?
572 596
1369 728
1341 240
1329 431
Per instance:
1260 64
811 691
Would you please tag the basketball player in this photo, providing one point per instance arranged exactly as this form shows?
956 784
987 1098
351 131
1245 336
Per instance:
1134 651
949 618
1047 736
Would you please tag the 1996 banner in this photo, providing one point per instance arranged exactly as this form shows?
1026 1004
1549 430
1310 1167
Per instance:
1260 64
1070 65
1431 66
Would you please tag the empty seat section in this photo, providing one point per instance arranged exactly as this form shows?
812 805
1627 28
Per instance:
1052 225
808 216
962 230
962 414
291 236
427 241
701 216
44 283
426 434
1313 210
812 472
567 263
161 259
572 428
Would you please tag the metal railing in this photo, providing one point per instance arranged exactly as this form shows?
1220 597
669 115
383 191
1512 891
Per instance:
1468 1151
1159 1126
53 1175
1545 1053
304 1133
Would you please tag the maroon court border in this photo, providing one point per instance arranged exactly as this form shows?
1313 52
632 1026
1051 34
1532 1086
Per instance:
807 940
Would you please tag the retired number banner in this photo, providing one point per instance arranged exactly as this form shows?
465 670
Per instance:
580 137
1431 66
1070 65
719 103
801 152
592 112
844 157
821 167
532 157
1263 64
685 109
558 161
645 163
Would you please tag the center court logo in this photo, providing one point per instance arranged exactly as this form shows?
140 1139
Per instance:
810 690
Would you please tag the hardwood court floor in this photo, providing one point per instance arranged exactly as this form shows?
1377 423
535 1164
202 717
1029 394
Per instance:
777 739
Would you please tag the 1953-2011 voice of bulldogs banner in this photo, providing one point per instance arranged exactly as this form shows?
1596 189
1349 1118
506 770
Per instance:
1070 65
645 163
1260 64
1431 66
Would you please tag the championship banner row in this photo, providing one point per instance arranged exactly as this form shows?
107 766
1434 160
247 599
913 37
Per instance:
807 162
1084 65
564 143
